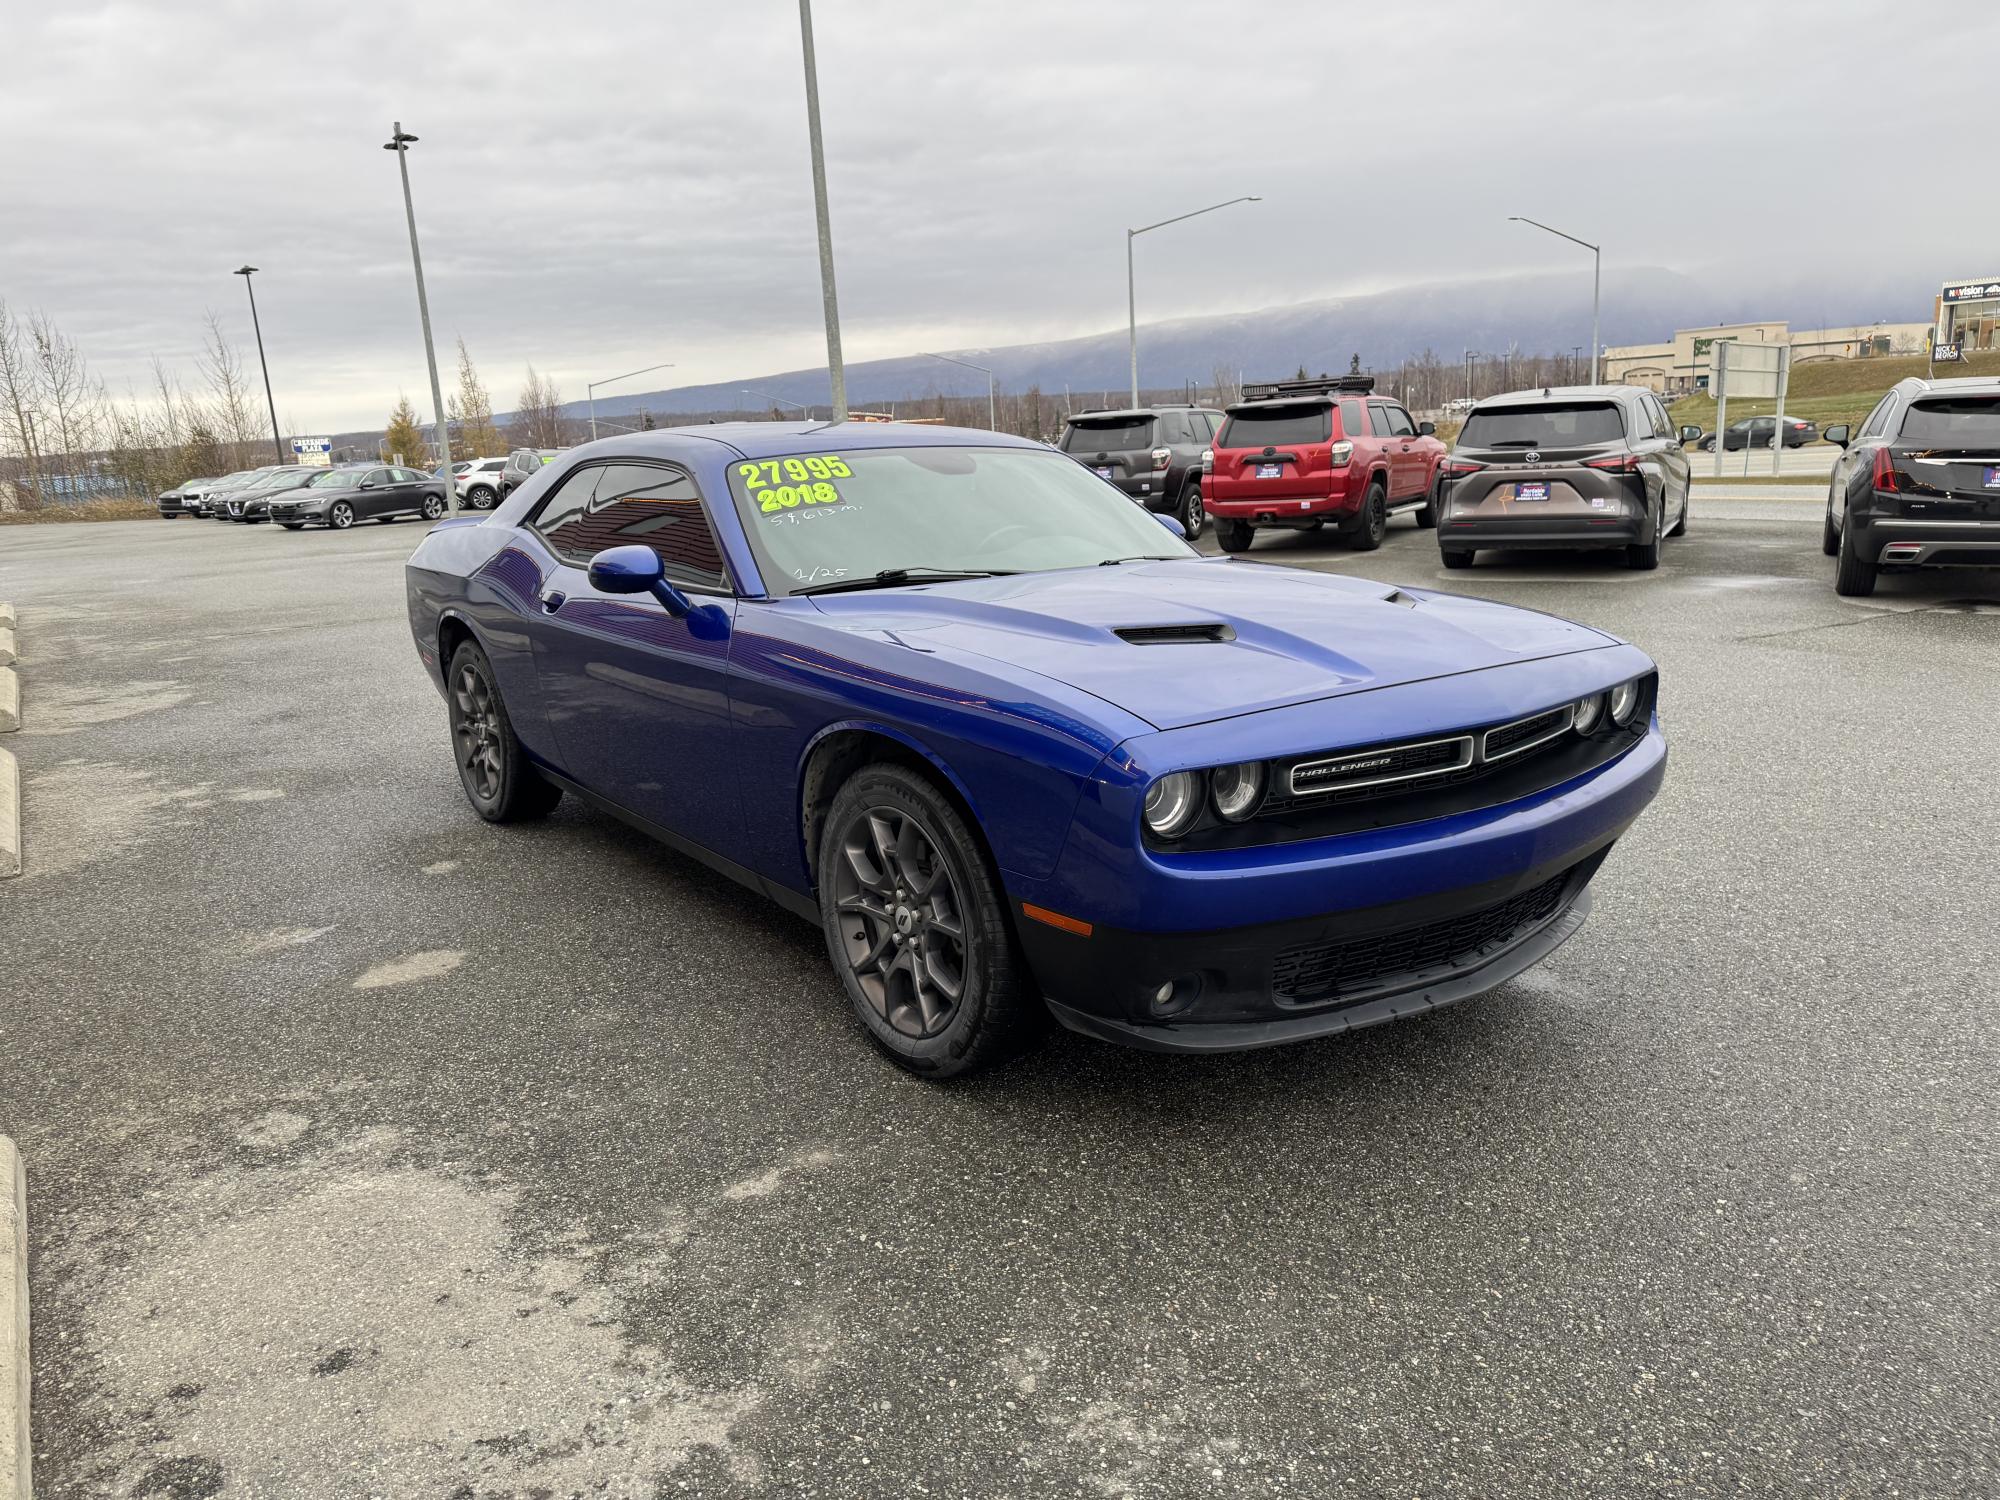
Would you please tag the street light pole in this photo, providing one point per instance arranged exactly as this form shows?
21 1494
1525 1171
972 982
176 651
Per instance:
992 425
777 400
590 390
1596 279
277 443
836 369
400 143
1131 293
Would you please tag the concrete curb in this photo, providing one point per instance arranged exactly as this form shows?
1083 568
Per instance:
16 1453
9 654
10 815
10 700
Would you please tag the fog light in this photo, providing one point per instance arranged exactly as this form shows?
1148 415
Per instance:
1164 995
1176 996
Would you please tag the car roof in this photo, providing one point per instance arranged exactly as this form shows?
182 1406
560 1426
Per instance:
778 439
1111 414
1956 385
1563 393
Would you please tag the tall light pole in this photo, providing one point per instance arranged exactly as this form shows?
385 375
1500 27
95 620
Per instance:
836 370
992 425
590 390
777 400
277 443
1596 279
400 143
1131 294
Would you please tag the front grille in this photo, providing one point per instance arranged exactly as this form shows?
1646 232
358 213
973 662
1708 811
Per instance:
1391 763
1525 734
1325 971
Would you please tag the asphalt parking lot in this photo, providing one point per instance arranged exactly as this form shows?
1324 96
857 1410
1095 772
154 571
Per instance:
376 1151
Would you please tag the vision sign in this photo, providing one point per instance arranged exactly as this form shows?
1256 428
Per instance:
1970 291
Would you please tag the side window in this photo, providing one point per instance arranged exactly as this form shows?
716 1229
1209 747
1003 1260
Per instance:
1878 419
408 476
1378 419
1204 427
1400 424
376 477
1352 423
1172 428
616 505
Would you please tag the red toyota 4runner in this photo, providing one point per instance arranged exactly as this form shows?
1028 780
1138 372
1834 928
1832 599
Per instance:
1303 454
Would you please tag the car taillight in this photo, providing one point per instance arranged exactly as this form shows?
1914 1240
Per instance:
1338 455
1162 457
1208 460
1884 477
1622 463
1460 468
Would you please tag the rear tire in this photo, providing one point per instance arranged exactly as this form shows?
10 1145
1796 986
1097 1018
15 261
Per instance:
897 861
433 507
480 497
1681 526
1854 575
1427 514
1457 557
493 768
1233 536
1643 557
1373 522
293 525
1191 514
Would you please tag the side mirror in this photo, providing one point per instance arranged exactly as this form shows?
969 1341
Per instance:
1836 434
1425 429
1172 523
1690 434
368 484
637 570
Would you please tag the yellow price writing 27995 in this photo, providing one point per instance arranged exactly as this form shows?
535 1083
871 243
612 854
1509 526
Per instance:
757 476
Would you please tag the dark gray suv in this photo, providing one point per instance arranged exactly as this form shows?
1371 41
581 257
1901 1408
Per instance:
1579 466
1152 453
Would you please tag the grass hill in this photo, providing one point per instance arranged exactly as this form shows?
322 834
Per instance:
1843 390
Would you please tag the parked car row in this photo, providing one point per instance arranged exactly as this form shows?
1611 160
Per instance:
300 495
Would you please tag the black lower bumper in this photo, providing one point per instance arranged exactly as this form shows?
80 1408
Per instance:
1894 541
1530 534
1286 981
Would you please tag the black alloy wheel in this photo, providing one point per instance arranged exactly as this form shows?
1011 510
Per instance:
433 507
916 926
1191 513
492 766
340 515
1373 522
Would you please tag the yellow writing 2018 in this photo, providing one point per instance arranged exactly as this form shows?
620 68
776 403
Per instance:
790 497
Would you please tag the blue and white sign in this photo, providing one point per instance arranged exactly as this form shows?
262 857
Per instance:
313 451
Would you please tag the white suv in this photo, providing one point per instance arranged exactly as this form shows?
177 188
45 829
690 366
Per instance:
479 482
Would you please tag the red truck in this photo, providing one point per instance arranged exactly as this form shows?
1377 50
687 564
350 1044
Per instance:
1303 454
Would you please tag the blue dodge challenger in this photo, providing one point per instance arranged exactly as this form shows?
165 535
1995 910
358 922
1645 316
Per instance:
1017 747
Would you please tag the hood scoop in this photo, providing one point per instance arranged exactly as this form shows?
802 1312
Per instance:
1175 635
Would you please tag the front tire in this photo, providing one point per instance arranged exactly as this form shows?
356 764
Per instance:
293 525
1854 575
499 781
916 926
340 515
1191 514
1373 523
1233 536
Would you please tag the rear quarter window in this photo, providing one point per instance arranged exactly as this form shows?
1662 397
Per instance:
1274 426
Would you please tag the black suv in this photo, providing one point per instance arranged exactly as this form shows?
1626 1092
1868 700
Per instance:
1919 485
1152 453
1583 466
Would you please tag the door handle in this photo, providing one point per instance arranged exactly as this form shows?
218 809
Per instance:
552 600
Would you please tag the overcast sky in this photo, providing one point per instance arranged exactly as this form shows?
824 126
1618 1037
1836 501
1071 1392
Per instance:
603 186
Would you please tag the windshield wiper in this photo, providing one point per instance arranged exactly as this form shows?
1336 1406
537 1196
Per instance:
888 578
1112 562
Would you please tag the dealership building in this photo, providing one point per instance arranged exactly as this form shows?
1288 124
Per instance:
1682 364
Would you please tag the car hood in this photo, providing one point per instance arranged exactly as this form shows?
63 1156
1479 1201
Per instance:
1209 639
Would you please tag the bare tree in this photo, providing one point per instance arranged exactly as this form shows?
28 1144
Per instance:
472 411
19 401
232 404
538 421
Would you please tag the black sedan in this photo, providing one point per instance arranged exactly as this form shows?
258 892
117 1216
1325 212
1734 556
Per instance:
337 498
1755 432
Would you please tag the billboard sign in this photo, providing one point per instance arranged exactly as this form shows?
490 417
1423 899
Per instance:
1747 369
1970 291
1947 353
317 450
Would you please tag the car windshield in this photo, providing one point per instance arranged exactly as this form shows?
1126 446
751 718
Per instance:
334 478
1547 425
1122 434
1961 423
837 516
1270 426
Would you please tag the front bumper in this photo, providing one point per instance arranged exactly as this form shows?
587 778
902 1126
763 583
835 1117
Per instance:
1290 981
296 515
